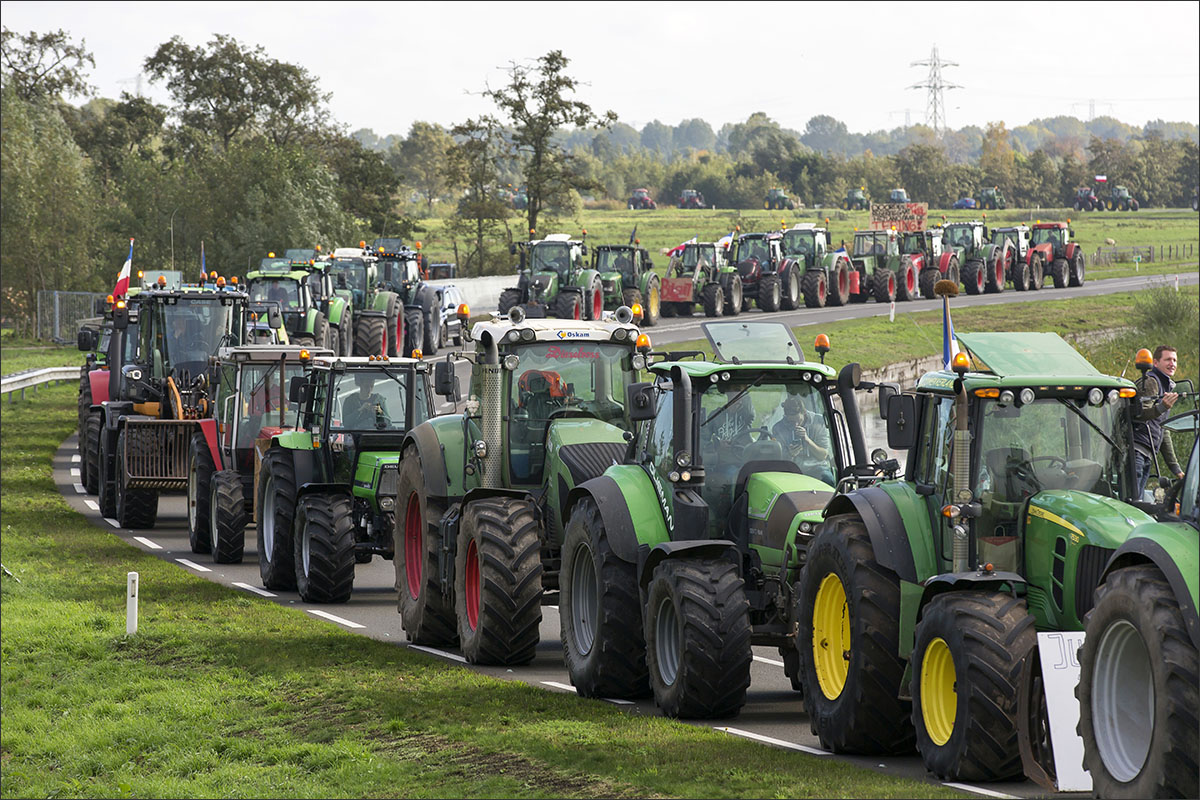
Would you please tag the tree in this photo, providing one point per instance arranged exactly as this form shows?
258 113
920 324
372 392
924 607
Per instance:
481 215
44 66
823 133
658 137
366 184
421 160
694 134
111 132
536 102
923 173
996 159
227 90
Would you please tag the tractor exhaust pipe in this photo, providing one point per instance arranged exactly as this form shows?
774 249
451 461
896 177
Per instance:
850 379
491 409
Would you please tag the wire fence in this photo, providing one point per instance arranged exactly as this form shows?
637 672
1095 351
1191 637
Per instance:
59 313
1143 254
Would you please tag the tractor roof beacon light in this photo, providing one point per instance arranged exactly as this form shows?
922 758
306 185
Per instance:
416 353
961 363
1143 360
637 311
821 345
162 280
643 343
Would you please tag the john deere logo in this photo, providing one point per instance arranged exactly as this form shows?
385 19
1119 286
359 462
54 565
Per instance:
574 335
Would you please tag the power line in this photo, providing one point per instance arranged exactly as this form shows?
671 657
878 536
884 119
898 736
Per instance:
935 107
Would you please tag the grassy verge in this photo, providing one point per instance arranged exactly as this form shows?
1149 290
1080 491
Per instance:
17 355
225 695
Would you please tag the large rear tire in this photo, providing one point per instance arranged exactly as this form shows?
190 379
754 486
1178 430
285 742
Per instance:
1060 271
324 548
928 279
698 638
427 614
769 292
631 296
276 513
839 283
568 305
106 492
91 452
321 336
393 323
966 672
136 508
974 277
995 272
498 581
733 296
414 330
1020 275
849 629
883 286
199 493
227 517
816 288
1138 690
652 308
431 333
1077 275
792 296
906 280
600 612
713 298
370 336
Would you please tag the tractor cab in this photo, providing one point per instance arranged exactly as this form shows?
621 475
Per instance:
875 243
927 242
619 262
965 236
690 198
1018 237
703 255
1055 234
898 196
354 269
806 243
296 289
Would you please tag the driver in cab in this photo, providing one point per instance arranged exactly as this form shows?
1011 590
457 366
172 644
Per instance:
801 439
367 409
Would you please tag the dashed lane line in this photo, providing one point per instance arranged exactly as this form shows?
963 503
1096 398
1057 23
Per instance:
333 618
147 542
758 737
255 589
92 504
193 565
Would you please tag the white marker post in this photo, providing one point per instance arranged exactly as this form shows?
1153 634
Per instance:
892 311
131 604
1177 281
1137 263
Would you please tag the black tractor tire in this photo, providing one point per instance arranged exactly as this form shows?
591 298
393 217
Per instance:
276 515
568 305
227 518
668 310
600 612
1020 275
630 297
928 279
324 548
974 277
106 492
838 284
713 298
907 287
792 296
1060 271
302 340
83 408
136 508
733 296
1077 270
393 327
321 331
335 339
509 298
815 288
884 286
414 330
1137 630
432 332
859 711
995 274
199 493
979 639
652 305
427 614
952 273
498 581
769 292
91 452
370 334
346 334
1037 272
1078 206
1134 205
698 638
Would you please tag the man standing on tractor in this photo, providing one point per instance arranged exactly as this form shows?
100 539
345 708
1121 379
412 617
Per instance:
367 409
797 432
1156 387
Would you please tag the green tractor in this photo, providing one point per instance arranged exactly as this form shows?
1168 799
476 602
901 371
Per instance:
826 278
778 199
1119 199
687 551
314 315
878 269
553 280
984 264
401 270
1138 664
990 198
701 272
326 493
380 321
922 595
856 200
483 493
628 278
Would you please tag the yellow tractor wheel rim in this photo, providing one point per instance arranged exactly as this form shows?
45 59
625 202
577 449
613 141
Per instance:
831 636
939 699
654 300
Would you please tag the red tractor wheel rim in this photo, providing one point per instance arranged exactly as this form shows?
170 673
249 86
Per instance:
597 304
979 279
999 271
891 284
843 283
821 289
399 340
578 311
910 279
472 585
414 545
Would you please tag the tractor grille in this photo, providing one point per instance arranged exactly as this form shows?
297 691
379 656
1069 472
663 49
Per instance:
389 480
590 459
1087 575
156 453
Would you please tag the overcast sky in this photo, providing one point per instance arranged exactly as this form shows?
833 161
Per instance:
388 64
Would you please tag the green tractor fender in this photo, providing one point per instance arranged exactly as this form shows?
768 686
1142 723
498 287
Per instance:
649 279
310 321
338 310
441 444
585 279
699 548
1171 548
381 301
629 509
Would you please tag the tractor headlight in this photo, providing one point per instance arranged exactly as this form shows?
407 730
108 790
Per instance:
135 374
806 527
683 458
511 361
620 335
724 376
1095 396
807 376
1026 396
1006 398
512 336
480 448
818 377
639 361
673 476
1113 396
527 334
685 476
387 503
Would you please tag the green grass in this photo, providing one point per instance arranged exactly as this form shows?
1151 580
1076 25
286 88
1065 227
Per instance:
17 355
225 695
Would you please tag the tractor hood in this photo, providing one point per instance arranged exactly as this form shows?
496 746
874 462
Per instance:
779 505
1103 521
376 477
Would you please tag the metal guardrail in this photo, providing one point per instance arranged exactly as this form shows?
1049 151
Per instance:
33 378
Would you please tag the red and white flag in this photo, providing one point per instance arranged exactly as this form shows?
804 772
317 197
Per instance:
122 287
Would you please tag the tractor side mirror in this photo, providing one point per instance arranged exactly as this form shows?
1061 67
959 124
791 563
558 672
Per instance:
512 248
639 399
274 317
886 392
85 340
445 382
901 421
583 249
298 390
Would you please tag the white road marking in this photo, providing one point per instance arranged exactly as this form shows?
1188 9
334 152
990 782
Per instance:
617 701
770 661
332 618
74 472
966 787
92 504
147 542
777 742
436 652
75 459
565 687
112 522
254 589
193 565
79 489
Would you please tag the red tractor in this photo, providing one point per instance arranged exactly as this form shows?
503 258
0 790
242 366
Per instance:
1052 240
769 278
641 199
690 198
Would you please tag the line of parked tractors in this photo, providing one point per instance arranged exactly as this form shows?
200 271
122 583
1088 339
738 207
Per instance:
679 511
788 269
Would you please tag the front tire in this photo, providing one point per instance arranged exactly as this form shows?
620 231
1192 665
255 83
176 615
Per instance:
136 508
414 330
276 512
906 281
713 298
733 297
966 670
1060 272
884 286
929 278
227 518
698 638
508 299
370 334
324 548
1077 275
199 494
792 296
652 308
427 615
568 306
769 292
816 288
91 451
1138 690
974 277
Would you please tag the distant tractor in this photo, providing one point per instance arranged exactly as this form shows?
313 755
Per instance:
769 278
690 198
826 278
1065 257
983 263
1026 264
856 200
1086 200
898 196
1121 200
990 198
880 270
628 278
702 273
778 199
641 199
929 259
553 280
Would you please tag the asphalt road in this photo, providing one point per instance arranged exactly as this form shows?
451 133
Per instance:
773 715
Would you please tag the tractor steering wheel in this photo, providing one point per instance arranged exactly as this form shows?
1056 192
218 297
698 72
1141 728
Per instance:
764 434
1024 470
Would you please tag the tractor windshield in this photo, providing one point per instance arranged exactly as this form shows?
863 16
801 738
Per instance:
753 248
870 243
263 398
912 243
575 378
784 426
284 291
1052 235
960 236
615 261
355 271
693 253
1011 237
799 243
551 257
190 330
300 254
374 400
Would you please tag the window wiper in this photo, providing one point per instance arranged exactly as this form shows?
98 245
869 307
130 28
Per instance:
1094 426
734 399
